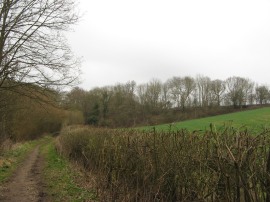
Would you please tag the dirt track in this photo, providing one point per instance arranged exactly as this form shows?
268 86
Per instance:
26 185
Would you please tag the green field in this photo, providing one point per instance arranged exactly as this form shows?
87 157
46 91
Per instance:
253 120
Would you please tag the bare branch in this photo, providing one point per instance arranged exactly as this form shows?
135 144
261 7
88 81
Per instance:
32 46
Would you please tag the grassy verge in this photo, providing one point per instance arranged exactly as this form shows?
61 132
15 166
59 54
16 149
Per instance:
10 160
60 178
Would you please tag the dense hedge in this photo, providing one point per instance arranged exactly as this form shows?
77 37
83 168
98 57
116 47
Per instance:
225 165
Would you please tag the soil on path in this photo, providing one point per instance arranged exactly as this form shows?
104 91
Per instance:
26 184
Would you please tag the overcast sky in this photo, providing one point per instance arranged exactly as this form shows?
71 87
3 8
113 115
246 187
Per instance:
124 40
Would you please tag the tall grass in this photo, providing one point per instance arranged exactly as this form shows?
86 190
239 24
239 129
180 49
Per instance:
226 165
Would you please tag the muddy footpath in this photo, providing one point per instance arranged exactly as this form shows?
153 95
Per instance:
26 183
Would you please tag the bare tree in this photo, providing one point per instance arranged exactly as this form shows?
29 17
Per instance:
181 89
34 56
174 90
165 97
149 95
141 93
130 88
204 90
217 88
33 49
239 90
250 92
153 93
262 94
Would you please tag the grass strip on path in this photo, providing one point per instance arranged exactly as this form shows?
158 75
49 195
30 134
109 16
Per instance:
60 178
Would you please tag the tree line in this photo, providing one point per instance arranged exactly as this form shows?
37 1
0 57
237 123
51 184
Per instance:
155 102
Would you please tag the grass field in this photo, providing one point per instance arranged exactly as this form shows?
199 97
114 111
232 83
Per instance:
253 120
